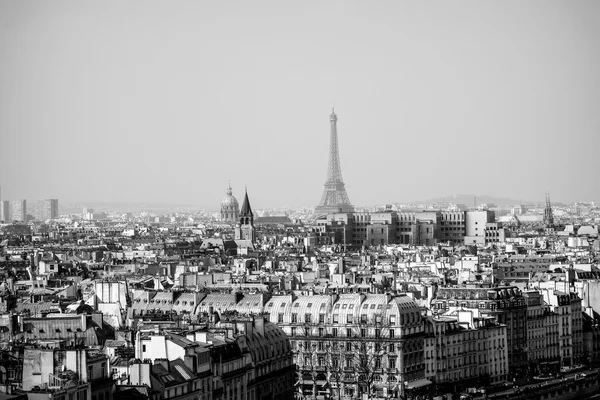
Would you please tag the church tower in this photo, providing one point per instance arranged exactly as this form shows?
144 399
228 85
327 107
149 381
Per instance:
244 229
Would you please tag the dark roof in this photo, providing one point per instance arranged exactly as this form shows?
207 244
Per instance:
246 210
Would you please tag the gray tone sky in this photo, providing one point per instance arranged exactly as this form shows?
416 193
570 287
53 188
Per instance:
167 101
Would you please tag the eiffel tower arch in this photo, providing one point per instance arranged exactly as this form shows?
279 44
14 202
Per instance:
334 198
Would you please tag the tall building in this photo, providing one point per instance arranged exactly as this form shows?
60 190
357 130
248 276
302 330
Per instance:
47 209
244 229
334 198
5 214
18 210
230 210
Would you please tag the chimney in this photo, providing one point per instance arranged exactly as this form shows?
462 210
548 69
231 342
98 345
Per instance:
162 361
259 324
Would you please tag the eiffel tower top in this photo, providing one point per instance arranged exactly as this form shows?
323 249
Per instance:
333 117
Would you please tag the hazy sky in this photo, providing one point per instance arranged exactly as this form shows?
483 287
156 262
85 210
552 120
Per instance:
166 101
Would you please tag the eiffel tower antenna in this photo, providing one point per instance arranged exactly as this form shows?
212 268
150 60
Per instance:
334 198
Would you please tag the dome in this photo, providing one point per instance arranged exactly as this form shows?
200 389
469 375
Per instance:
230 208
229 200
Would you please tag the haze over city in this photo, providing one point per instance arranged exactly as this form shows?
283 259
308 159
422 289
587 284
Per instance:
167 102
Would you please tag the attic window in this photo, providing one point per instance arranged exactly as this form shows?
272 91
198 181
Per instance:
372 306
351 306
309 305
177 303
41 331
183 303
296 305
336 306
57 330
365 306
256 304
282 305
203 303
322 305
69 330
270 304
191 303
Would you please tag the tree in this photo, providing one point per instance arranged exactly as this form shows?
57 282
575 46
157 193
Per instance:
373 345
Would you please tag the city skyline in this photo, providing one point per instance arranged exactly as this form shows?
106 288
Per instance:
148 102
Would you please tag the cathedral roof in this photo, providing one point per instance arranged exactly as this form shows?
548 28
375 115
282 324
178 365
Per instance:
246 209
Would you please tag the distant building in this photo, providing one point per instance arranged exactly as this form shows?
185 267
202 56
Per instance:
47 209
230 210
5 214
18 210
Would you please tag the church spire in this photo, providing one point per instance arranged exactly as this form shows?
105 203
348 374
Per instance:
246 209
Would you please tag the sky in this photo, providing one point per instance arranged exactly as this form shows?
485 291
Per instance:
168 101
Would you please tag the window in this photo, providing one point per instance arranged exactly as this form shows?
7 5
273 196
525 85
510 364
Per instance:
334 332
363 332
392 333
348 332
349 318
294 317
336 318
280 318
348 362
143 348
321 318
392 362
307 318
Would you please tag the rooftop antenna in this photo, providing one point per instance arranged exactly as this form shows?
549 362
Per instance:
475 201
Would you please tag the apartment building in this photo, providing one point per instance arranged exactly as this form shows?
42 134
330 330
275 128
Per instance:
354 344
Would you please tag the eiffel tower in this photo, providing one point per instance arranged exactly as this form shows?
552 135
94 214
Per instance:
334 198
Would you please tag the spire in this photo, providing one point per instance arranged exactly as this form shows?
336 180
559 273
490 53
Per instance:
246 209
229 191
